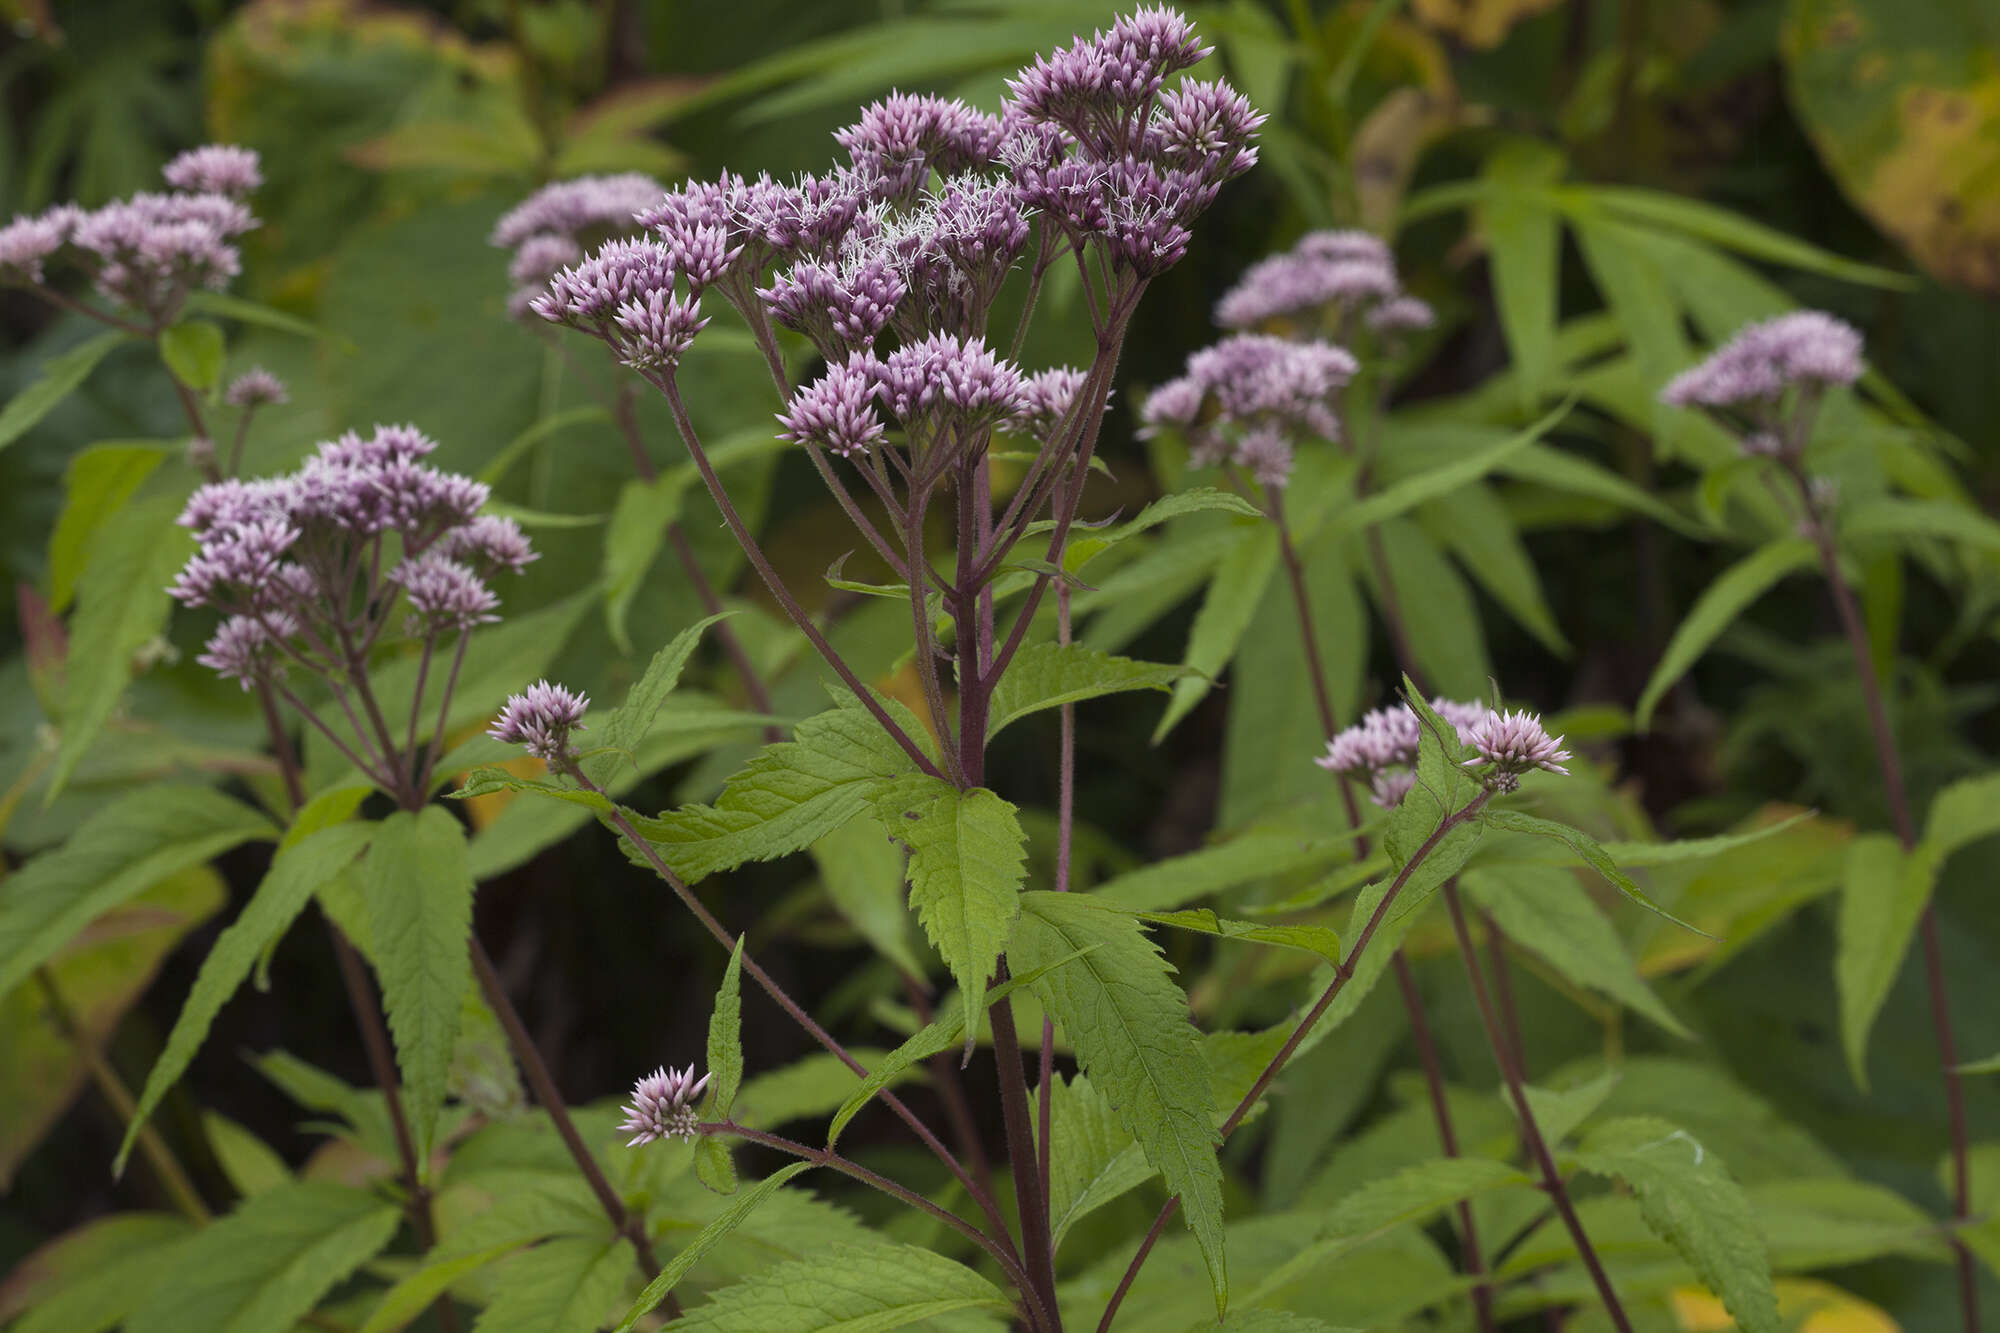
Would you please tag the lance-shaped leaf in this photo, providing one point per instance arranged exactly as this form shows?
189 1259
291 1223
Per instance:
1442 784
59 378
418 888
1129 1023
707 1239
1048 675
967 861
873 1287
1726 598
1316 940
725 1070
1410 492
96 487
1585 846
1962 814
1226 610
1883 894
564 1283
1255 854
626 728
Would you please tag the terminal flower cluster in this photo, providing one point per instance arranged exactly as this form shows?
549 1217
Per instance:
1771 376
1334 282
1382 747
554 227
662 1106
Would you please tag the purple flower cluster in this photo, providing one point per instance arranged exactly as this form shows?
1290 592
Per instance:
1807 350
1329 280
942 390
255 387
663 1106
304 568
540 720
1382 747
146 253
1248 398
554 226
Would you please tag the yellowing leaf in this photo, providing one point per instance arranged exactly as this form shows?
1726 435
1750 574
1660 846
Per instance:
1481 23
1827 1309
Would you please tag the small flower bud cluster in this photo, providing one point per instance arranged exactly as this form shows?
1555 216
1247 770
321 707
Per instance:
304 567
255 387
1332 280
1248 398
943 390
1382 747
662 1106
1772 373
540 720
146 253
553 227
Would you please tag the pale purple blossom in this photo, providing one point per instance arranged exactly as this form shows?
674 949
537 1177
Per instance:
26 242
1806 350
1513 743
903 137
1265 452
1382 747
840 307
1046 399
1401 314
662 1106
655 330
540 719
245 648
490 541
837 411
1327 274
576 208
216 168
588 295
445 594
946 381
255 387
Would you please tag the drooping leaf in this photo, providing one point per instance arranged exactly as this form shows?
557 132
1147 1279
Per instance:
1882 897
418 888
1732 231
1129 1024
564 1283
59 378
813 1085
1048 675
265 1266
1896 518
848 1287
1226 609
404 1302
1475 527
1316 940
295 875
1725 599
1559 1112
1086 545
741 1206
1687 1197
1585 846
118 853
967 861
862 869
96 486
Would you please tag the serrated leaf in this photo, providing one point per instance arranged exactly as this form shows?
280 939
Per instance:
1725 599
1689 1200
402 1303
484 781
862 869
59 377
1559 1112
295 875
628 727
1048 675
1442 784
115 855
418 888
1316 940
1092 1156
714 1167
96 486
1961 815
849 1287
1269 1321
192 350
563 1284
1883 893
1585 846
967 860
1226 608
122 603
725 1038
1129 1024
1548 913
89 1278
741 1206
790 795
265 1266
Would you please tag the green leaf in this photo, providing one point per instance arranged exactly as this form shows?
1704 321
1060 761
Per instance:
1086 545
1732 231
264 1267
192 350
1544 465
1695 849
1474 525
1961 815
1883 894
1585 846
967 861
1895 518
1548 913
1559 1111
789 796
813 1085
546 428
99 482
725 1037
1442 788
295 875
250 312
1226 608
1407 494
1688 1199
862 869
627 728
122 604
631 544
1990 1065
411 1296
91 1278
1629 273
1129 1024
1524 241
60 375
1092 1156
563 1284
1269 1321
1048 675
418 888
1165 885
1726 598
740 1207
251 1165
118 853
848 1287
1317 940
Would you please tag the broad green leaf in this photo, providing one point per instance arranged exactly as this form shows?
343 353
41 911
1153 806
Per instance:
1444 624
967 861
1726 598
118 853
851 1288
546 428
264 1267
1585 846
1475 527
225 306
1316 940
419 894
122 604
740 1207
295 875
632 542
96 487
1270 1321
88 1279
1689 1200
1226 609
725 1038
1342 880
411 1296
1893 517
625 729
862 869
1732 231
1635 286
1048 675
1548 913
1092 1156
1559 1112
1524 243
1405 495
813 1085
252 1165
192 350
786 798
1882 897
1962 814
1165 885
564 1283
1410 1195
60 375
1128 1022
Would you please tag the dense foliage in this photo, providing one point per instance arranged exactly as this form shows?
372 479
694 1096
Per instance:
1313 666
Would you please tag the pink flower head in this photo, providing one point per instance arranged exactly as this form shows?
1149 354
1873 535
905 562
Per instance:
588 295
490 542
840 307
1207 128
445 594
255 387
216 168
28 241
1401 314
1265 452
1383 746
903 137
1328 271
1807 349
576 208
540 719
655 329
837 411
1047 397
945 379
663 1106
245 647
1513 743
